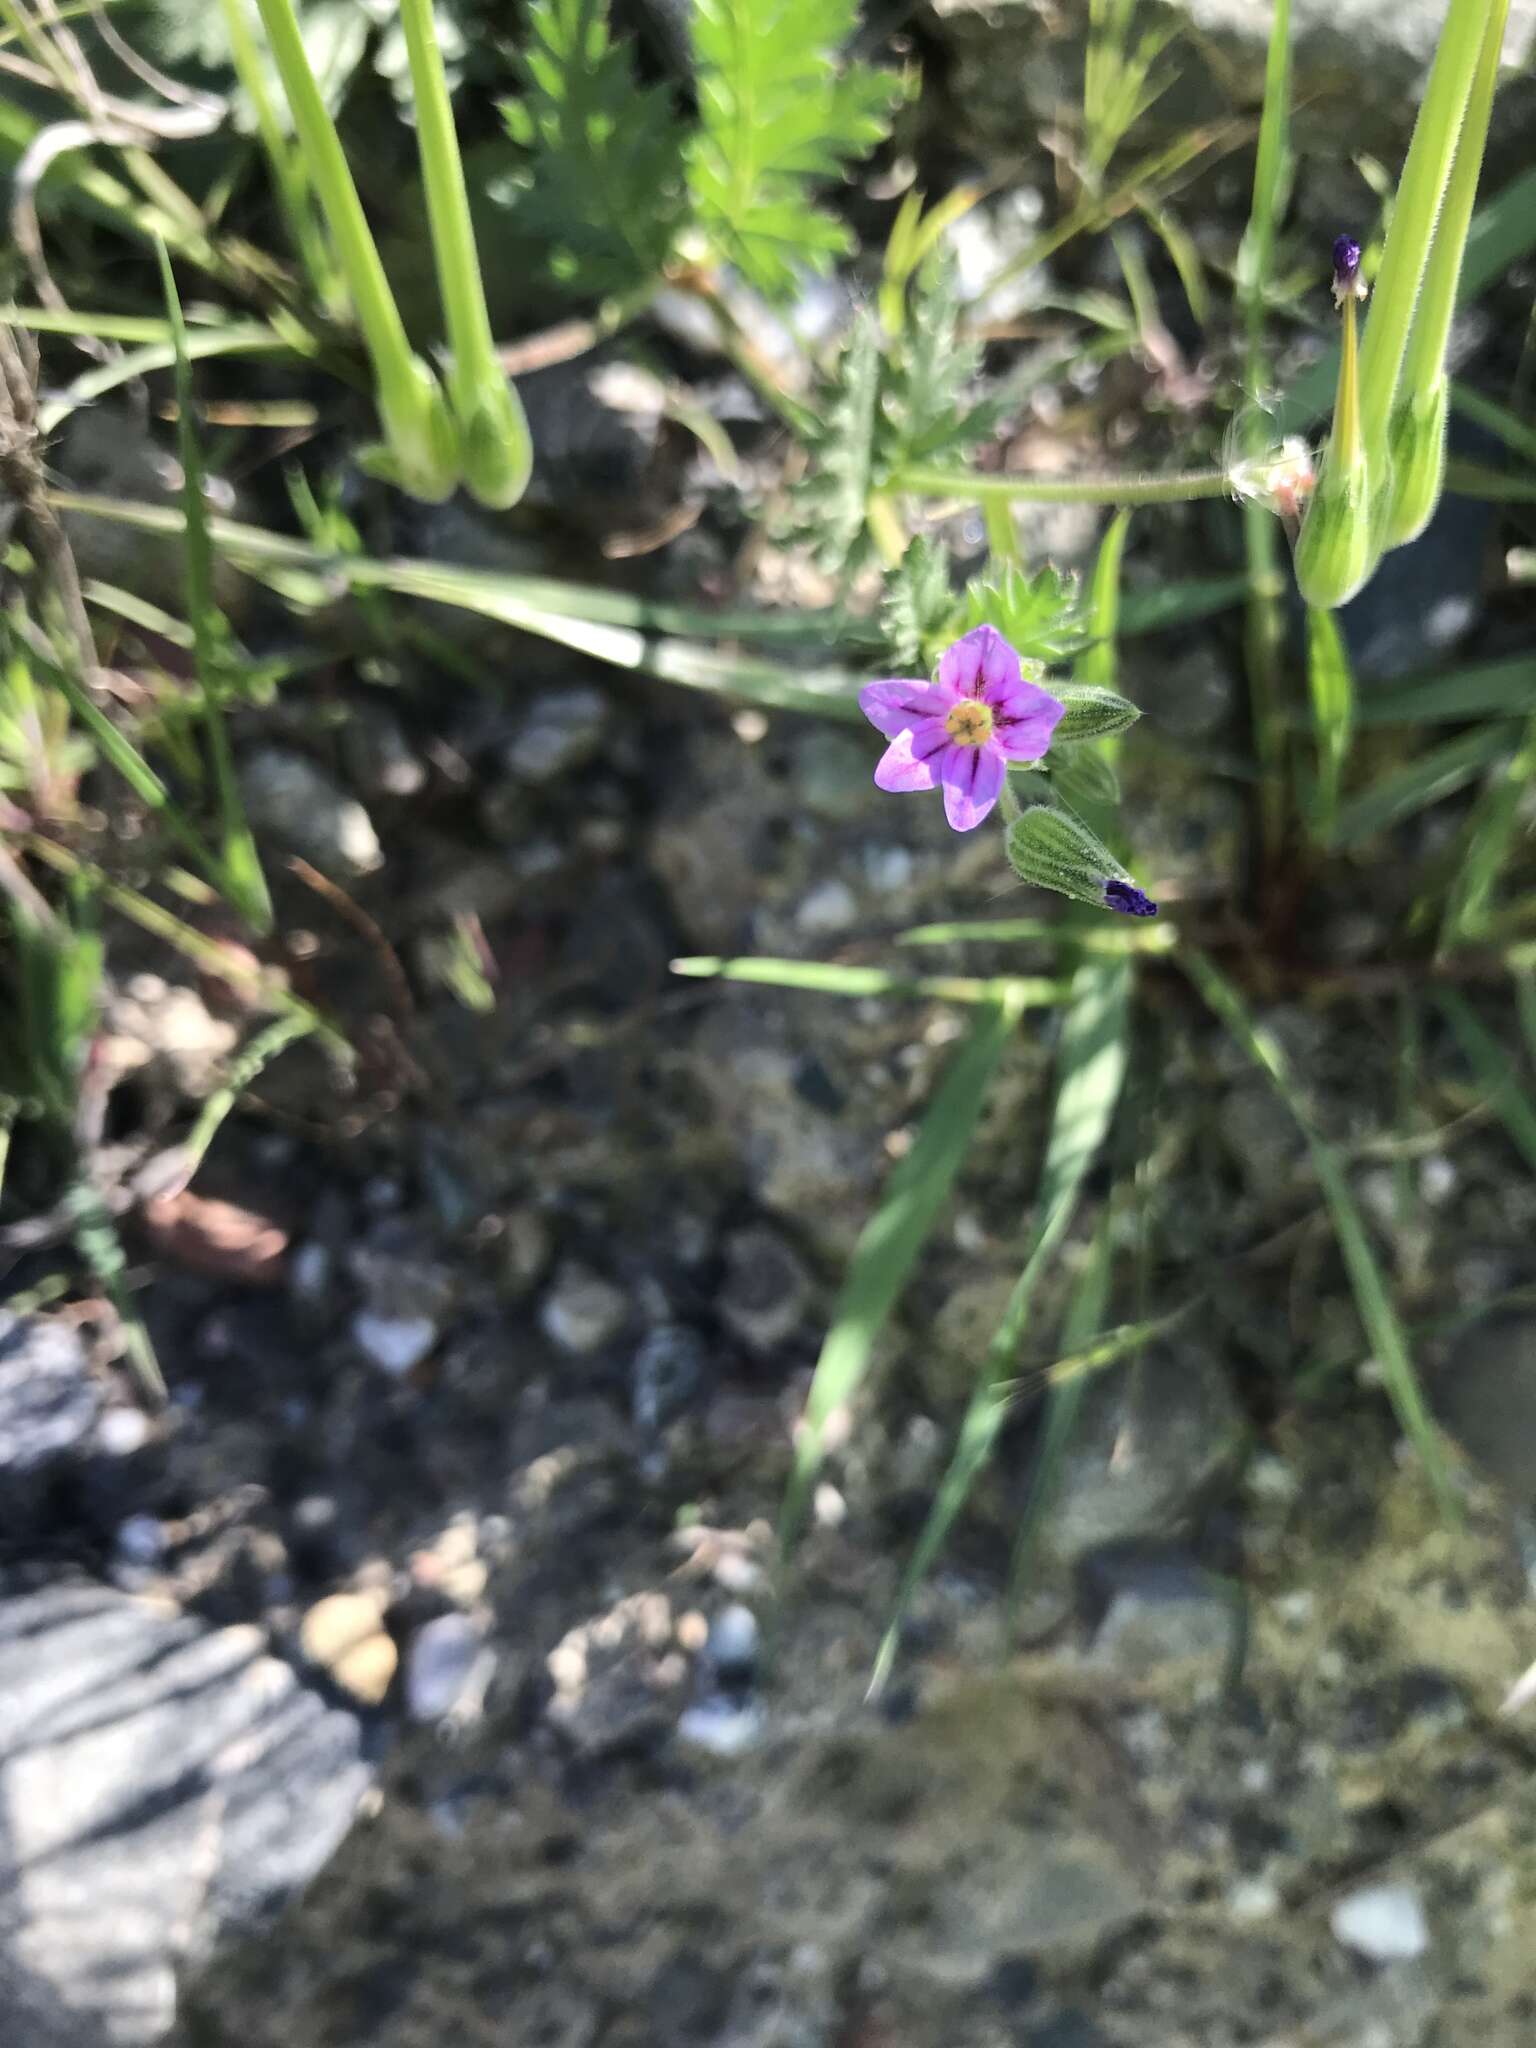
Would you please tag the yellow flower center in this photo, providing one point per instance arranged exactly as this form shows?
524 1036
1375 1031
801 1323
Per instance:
969 723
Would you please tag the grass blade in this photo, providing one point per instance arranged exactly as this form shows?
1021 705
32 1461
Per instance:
1373 1302
1428 780
240 864
1099 661
1481 690
1086 938
1495 1072
890 1242
824 977
1488 835
1091 1067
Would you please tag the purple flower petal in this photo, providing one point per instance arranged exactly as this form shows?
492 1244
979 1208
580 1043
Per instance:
973 780
1128 899
896 707
912 759
1025 721
978 664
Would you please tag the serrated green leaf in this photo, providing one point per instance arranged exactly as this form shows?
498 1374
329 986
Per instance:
776 113
917 608
603 187
1039 615
830 505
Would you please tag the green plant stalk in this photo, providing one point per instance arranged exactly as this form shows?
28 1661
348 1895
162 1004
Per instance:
1264 619
240 873
1417 426
417 430
1420 193
493 432
1336 553
287 165
927 480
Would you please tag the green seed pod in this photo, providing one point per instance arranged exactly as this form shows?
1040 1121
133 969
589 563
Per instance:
1416 437
1335 553
1090 712
1054 849
497 455
419 434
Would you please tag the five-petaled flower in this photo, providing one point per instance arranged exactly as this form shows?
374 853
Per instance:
961 730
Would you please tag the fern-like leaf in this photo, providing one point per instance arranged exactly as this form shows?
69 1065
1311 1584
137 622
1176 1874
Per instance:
917 607
1040 615
602 188
777 112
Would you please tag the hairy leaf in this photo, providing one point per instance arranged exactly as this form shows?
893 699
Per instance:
777 113
603 183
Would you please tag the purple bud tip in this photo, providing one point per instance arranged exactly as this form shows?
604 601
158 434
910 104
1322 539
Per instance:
1346 269
1128 900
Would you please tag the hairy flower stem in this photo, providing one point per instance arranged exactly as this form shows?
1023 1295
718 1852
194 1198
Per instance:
923 480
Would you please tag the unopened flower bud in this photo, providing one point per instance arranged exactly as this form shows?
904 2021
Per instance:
1054 849
1336 552
1347 281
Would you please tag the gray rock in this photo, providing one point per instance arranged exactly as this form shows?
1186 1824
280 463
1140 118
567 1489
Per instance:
1359 66
766 1291
1385 1923
395 1344
1155 1441
582 1311
301 808
447 1670
668 1371
1486 1398
49 1401
564 729
722 1726
160 1782
1168 1616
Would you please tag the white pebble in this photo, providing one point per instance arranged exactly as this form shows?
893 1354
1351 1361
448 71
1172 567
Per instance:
1384 1923
1254 1898
733 1638
393 1343
721 1727
122 1431
830 907
447 1670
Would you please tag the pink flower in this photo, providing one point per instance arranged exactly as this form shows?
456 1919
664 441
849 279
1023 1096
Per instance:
963 728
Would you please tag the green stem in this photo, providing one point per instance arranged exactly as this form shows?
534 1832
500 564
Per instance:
1420 191
286 164
410 404
1424 359
925 480
497 453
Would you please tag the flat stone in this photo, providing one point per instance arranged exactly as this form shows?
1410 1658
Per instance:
287 796
160 1782
447 1670
49 1401
582 1311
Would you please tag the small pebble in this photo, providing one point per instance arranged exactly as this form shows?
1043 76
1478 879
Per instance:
1385 1923
140 1540
393 1343
343 1636
734 1638
1254 1898
582 1311
447 1670
122 1431
722 1727
830 907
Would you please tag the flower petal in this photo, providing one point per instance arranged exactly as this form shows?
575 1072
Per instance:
979 663
973 780
895 707
911 760
1025 720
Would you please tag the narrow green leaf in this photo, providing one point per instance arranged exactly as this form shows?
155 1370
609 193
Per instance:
1428 780
890 1242
1495 1071
1488 836
1373 1301
1091 1066
1480 690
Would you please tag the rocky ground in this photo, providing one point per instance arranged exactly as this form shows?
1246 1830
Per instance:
423 1675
